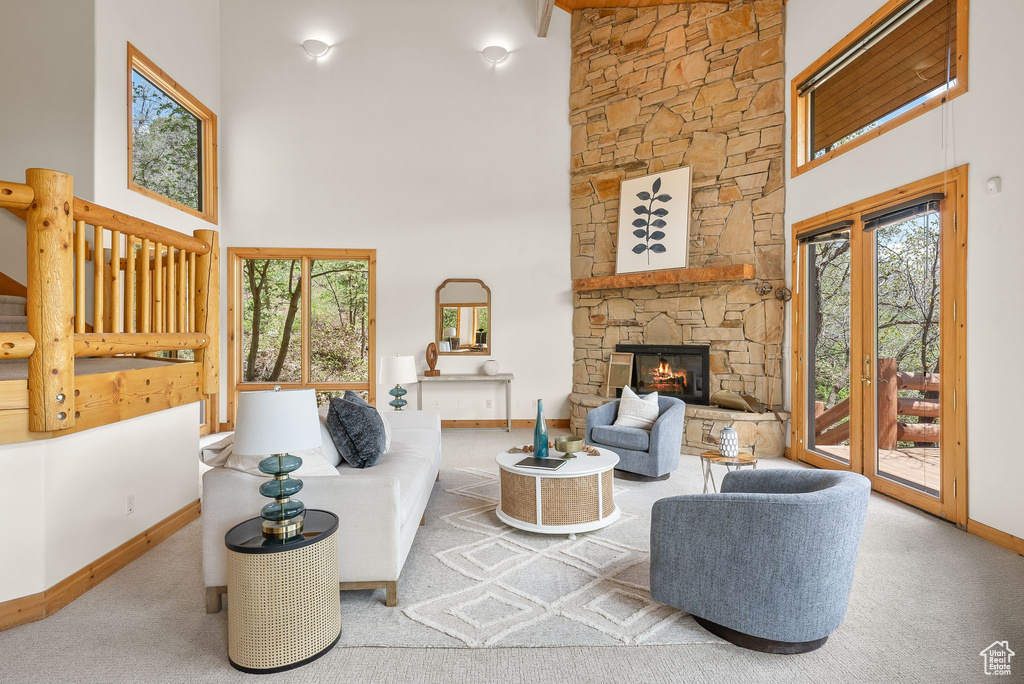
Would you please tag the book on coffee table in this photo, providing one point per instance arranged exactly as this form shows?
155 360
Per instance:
541 463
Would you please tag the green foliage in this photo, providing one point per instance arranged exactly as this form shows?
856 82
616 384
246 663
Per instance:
907 307
272 322
165 145
449 318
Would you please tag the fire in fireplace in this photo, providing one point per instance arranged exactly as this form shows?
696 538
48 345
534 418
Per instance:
671 370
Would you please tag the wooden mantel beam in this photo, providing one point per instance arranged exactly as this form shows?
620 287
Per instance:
570 5
706 274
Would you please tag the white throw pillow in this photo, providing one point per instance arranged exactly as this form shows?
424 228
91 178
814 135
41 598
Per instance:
387 431
637 412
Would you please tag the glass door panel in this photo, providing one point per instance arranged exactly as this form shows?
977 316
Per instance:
908 346
828 346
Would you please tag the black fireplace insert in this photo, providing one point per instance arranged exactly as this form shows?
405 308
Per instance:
679 370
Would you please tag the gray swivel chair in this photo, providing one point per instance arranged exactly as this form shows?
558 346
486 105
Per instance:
766 564
653 454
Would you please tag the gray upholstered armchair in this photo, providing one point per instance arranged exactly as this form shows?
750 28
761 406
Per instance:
654 453
767 564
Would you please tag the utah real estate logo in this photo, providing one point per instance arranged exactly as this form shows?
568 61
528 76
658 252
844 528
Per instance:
997 658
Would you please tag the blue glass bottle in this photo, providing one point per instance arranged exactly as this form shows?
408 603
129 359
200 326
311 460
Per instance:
540 433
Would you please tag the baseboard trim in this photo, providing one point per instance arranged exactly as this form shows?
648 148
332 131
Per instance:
34 607
516 423
997 537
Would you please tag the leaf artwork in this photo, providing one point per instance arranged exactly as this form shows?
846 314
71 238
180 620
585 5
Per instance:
649 229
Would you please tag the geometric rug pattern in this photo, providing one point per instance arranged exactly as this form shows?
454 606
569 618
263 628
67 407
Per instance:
525 585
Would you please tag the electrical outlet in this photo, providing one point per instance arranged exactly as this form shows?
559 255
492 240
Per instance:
490 404
129 505
437 404
519 403
461 404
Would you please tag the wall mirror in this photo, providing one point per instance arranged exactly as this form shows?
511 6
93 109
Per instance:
463 317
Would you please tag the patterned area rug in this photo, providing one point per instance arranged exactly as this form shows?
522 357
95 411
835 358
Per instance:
472 581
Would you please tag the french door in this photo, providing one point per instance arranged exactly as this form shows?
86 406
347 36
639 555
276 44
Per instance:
879 333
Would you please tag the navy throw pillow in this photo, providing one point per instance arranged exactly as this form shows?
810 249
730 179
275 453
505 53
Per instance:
357 430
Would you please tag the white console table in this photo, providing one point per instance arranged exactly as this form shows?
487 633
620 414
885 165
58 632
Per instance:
505 378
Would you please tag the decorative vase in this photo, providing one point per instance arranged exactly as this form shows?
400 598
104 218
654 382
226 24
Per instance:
729 443
540 433
490 367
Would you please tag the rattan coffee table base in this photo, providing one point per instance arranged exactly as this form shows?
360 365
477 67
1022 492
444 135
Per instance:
579 497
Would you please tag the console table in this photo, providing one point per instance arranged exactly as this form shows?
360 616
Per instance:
505 378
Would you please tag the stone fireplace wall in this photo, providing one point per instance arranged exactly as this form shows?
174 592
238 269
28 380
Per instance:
657 88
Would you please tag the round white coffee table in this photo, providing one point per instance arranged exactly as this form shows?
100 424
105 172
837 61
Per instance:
578 497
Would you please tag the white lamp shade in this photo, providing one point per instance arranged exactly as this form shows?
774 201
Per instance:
450 332
398 370
276 422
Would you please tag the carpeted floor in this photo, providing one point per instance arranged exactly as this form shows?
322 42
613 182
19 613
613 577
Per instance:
926 600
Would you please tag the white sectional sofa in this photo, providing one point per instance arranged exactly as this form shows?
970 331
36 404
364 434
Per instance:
380 508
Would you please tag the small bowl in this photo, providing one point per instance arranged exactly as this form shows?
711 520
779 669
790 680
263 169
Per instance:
568 446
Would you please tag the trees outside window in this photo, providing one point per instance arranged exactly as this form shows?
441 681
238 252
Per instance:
302 319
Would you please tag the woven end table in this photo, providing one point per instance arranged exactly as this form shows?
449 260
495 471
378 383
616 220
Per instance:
578 497
284 604
707 458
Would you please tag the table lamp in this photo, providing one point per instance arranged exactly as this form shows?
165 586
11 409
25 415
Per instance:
398 370
275 422
452 335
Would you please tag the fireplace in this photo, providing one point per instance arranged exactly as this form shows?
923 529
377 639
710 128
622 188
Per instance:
679 371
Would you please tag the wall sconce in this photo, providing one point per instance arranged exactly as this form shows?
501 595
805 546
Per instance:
315 48
495 54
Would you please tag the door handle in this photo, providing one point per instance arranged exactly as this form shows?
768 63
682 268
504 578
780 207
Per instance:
866 376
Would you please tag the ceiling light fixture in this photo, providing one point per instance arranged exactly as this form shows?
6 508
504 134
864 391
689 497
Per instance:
315 48
495 54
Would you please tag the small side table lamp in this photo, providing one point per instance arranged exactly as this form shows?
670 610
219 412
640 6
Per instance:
276 422
398 370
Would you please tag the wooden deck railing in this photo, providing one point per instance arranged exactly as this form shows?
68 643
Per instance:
831 426
153 289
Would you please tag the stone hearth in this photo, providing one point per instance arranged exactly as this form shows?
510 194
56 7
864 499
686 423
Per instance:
763 434
657 88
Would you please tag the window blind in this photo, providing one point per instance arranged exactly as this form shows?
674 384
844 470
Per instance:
833 231
904 58
904 211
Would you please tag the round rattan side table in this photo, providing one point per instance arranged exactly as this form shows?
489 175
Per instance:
284 604
709 458
578 497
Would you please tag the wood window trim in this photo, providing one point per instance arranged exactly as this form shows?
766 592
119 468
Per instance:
235 256
954 365
800 105
208 120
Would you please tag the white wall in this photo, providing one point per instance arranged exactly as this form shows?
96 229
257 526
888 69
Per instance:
983 131
183 39
71 493
46 103
404 139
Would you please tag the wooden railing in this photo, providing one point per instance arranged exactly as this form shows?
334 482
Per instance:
832 427
153 290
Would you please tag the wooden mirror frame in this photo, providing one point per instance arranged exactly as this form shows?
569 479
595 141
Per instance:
438 329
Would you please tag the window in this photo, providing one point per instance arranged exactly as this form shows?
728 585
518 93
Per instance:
906 59
301 319
172 141
879 339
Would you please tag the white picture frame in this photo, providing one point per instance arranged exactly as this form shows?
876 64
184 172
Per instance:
654 222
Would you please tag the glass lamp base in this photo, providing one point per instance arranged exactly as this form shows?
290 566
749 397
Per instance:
283 529
398 392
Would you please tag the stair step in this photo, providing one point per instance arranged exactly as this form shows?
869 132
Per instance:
13 323
12 306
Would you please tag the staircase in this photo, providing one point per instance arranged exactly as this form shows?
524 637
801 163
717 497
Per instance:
12 314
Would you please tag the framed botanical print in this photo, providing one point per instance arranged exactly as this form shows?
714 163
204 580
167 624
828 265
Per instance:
654 222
